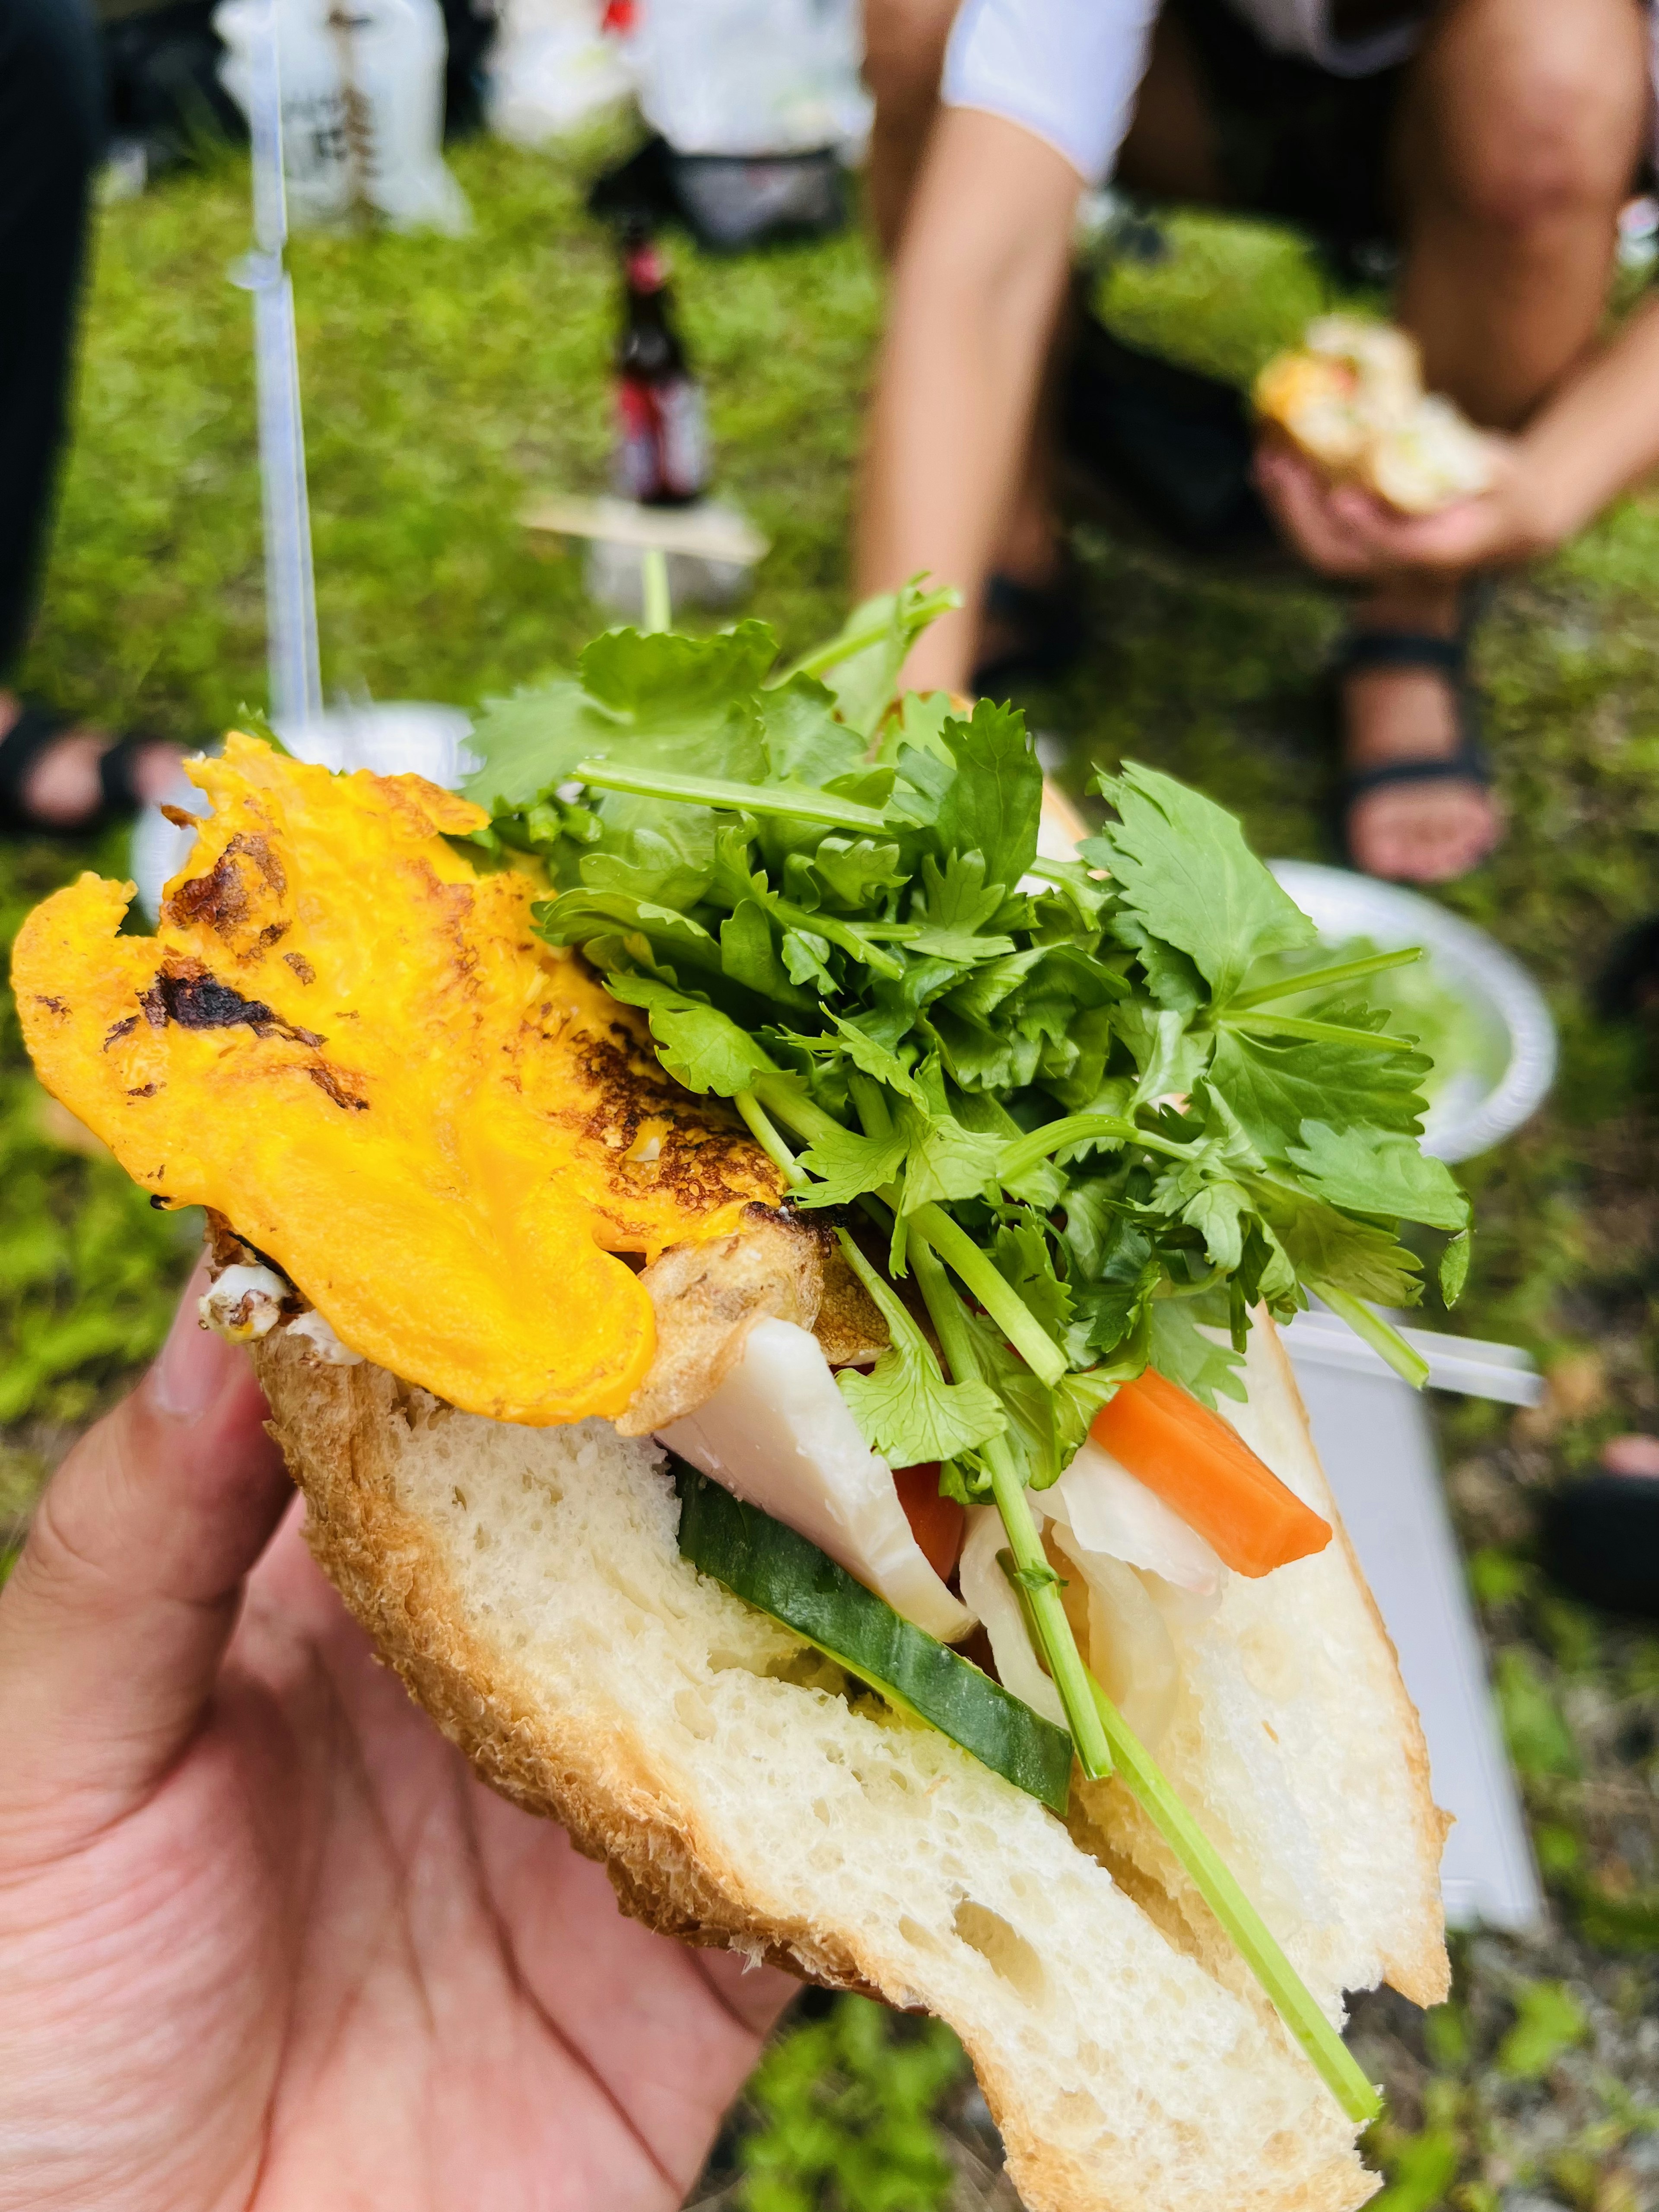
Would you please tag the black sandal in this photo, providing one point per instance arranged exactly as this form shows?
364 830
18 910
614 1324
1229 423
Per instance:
36 730
1408 648
1048 626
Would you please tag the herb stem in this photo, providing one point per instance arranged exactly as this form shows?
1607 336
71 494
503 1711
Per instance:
1294 1025
1006 1307
795 1110
1336 2064
657 612
844 933
738 798
766 1136
876 631
1382 1336
1021 1154
1041 1592
1103 1740
1324 979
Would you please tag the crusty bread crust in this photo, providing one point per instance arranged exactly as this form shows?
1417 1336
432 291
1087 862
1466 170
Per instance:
1176 2092
338 1428
1415 1963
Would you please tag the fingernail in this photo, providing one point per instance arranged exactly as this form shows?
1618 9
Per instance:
191 1368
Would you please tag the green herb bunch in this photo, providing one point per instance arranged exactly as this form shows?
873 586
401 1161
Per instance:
1055 1095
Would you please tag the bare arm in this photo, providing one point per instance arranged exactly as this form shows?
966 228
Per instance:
975 292
1600 435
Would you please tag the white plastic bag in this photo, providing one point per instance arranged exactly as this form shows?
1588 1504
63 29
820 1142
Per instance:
550 69
362 88
748 77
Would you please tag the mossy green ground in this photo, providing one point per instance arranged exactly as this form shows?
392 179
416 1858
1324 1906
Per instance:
445 381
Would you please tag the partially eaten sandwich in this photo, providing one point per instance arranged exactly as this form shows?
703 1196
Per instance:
766 1285
1351 398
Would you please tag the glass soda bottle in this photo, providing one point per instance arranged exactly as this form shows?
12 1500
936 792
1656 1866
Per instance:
661 457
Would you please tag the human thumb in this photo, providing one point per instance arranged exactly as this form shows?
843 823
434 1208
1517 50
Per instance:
115 1619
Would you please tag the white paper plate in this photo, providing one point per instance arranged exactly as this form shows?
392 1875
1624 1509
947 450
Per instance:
1471 1112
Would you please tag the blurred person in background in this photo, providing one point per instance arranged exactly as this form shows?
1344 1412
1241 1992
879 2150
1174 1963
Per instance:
1496 139
55 773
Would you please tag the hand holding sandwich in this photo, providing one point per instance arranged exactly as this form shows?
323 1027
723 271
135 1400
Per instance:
263 1939
1595 434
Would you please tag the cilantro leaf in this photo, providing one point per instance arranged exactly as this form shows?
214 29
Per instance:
531 741
1183 1355
945 1161
577 916
995 799
1045 1427
1020 1249
1455 1268
1324 1246
904 1407
665 856
873 1059
1183 867
861 663
805 741
1171 1056
699 1046
687 703
851 1165
851 873
749 956
908 1413
1216 1207
920 722
1274 1087
1378 1171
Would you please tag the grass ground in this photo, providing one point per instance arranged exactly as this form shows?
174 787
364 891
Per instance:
445 380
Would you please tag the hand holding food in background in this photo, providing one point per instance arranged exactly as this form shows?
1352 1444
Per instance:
1370 477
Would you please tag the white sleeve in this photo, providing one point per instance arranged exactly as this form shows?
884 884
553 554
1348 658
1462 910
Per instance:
1067 70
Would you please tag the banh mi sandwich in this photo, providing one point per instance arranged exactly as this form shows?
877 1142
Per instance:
768 1284
1351 398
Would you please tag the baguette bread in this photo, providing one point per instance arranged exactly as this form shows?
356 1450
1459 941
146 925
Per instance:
1350 398
527 1585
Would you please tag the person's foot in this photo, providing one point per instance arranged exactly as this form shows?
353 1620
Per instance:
1631 1454
62 788
1600 1537
1428 832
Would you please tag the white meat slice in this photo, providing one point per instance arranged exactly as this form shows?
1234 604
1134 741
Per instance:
778 1433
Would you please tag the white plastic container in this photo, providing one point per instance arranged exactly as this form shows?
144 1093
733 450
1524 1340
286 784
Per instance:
362 95
752 78
390 737
551 69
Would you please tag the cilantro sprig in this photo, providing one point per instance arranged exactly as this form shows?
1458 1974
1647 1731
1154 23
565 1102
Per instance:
1056 1106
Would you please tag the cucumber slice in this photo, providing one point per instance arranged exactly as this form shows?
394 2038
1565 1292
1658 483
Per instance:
769 1565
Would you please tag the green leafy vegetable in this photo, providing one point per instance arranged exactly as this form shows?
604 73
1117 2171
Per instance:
698 1045
904 1406
1094 1124
1379 1171
1194 884
790 1579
